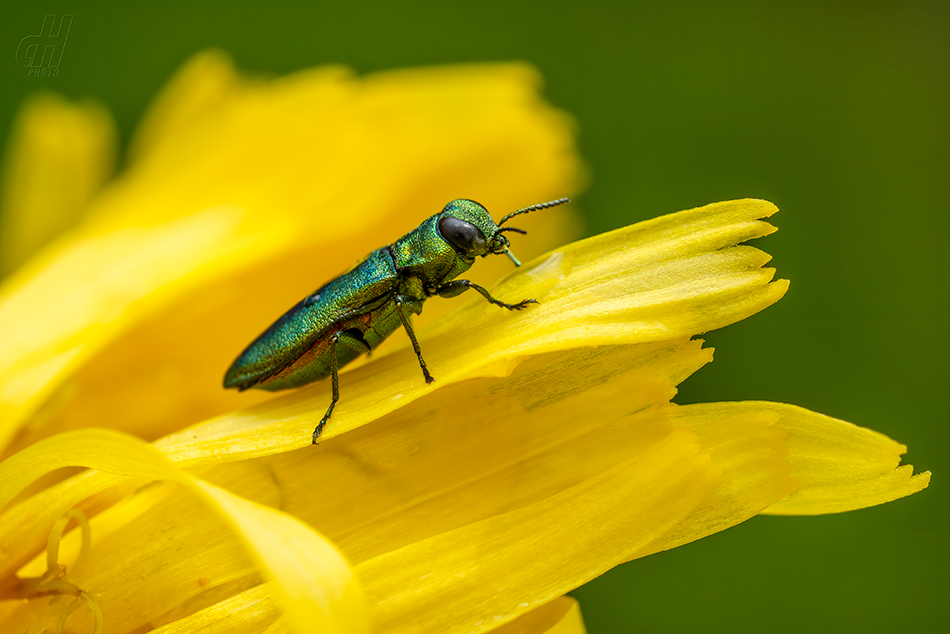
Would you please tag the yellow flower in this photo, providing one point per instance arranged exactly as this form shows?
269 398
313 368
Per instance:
547 451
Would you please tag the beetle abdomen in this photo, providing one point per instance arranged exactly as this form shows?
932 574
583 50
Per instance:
315 363
294 350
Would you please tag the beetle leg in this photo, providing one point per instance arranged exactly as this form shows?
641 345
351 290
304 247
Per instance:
352 338
402 300
457 287
335 381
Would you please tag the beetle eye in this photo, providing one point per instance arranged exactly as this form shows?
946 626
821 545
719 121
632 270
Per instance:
466 238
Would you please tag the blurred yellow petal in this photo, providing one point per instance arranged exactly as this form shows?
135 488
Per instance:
314 579
206 83
255 185
59 156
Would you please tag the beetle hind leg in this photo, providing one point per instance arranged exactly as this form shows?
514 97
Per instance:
351 336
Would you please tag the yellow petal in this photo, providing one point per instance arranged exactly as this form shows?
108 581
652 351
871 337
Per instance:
785 460
676 275
477 576
517 440
60 155
840 466
315 581
750 453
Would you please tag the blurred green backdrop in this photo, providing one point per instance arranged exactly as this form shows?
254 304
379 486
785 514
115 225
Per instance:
839 112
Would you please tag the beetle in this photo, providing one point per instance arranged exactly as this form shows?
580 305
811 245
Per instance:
353 314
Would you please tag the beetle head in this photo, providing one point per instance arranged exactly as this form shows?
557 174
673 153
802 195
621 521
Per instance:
469 228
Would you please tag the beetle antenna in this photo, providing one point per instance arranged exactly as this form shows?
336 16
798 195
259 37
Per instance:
553 203
516 230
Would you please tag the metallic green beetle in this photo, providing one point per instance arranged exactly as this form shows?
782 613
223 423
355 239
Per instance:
355 312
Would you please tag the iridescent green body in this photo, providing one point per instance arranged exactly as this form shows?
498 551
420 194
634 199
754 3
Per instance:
355 312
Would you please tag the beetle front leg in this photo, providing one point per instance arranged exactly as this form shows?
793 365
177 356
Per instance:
457 287
415 306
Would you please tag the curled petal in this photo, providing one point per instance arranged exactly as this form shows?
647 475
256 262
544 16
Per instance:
314 580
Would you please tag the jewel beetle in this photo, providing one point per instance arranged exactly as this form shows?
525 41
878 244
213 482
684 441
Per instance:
355 312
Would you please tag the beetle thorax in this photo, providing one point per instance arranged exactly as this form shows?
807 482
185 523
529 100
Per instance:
423 253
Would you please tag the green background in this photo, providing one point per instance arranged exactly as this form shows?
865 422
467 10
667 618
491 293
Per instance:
839 112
